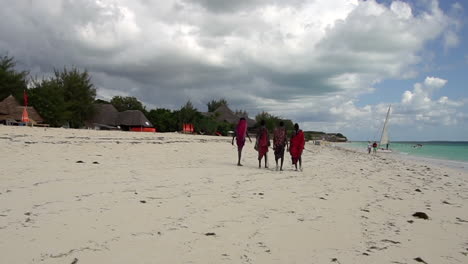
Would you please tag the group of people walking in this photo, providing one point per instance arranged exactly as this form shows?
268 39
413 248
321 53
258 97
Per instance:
295 146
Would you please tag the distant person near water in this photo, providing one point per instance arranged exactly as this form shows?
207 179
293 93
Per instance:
374 146
369 147
262 143
296 146
280 143
240 134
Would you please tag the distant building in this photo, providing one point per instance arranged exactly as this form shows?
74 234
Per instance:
224 114
106 117
11 112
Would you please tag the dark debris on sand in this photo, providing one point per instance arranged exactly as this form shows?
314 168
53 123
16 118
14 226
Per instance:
418 259
421 215
74 261
210 234
142 201
80 161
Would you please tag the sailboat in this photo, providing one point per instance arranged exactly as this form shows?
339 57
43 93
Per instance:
384 141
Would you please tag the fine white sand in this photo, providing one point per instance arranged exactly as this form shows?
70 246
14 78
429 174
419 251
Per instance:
152 198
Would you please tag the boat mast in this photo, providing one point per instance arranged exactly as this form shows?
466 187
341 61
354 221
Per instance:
384 129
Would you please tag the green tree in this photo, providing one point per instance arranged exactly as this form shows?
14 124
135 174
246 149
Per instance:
47 97
164 120
215 104
224 127
273 121
100 101
79 95
122 103
11 81
188 113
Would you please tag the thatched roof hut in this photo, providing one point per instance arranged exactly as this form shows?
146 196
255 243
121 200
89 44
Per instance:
106 116
223 113
10 109
133 118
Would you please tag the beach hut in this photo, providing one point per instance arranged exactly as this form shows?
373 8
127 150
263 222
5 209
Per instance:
134 120
104 117
224 114
12 113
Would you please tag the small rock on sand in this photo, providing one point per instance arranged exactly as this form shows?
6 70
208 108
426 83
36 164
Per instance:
421 215
142 201
210 234
80 161
417 190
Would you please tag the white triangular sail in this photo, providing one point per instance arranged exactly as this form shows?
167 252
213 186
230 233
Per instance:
384 139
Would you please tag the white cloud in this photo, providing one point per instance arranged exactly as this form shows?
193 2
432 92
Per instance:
317 56
401 9
417 108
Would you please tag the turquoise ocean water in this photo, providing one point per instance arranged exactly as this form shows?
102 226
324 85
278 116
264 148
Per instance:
457 151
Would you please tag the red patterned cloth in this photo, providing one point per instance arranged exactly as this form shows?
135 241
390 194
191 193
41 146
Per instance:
296 146
241 132
263 142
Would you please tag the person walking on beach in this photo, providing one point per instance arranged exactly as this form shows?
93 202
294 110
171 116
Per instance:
262 143
280 142
296 146
374 146
369 147
239 135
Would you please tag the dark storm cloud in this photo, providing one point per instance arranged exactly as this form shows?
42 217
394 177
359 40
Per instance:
260 55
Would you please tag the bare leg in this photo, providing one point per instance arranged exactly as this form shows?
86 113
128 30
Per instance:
259 162
276 160
300 163
266 159
239 155
282 159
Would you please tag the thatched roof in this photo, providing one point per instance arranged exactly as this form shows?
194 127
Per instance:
223 113
133 118
107 115
10 109
104 114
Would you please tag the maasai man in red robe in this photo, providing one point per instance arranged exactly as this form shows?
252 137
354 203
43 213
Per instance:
240 134
296 146
263 142
280 143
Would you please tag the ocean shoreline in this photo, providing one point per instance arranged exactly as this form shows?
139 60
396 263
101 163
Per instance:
452 164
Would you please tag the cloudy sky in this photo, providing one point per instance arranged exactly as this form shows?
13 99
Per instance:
330 65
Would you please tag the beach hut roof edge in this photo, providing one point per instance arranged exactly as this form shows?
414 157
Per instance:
10 109
133 118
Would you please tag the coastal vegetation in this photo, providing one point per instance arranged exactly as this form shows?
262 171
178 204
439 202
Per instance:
68 98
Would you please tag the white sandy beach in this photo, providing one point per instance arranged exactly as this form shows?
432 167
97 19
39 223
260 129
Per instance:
153 198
